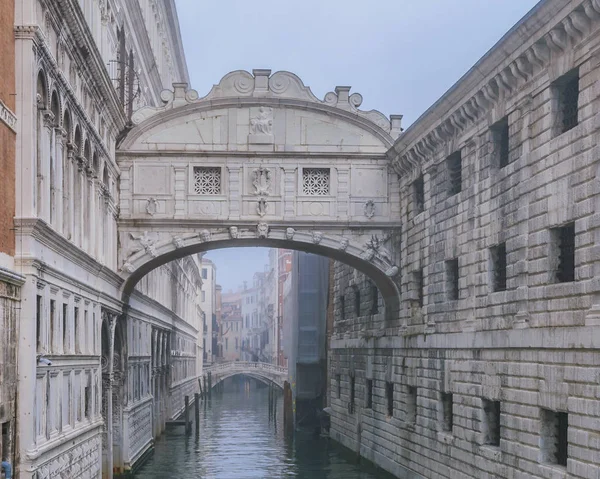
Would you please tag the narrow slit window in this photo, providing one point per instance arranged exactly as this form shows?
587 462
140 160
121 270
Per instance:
452 279
374 299
342 307
491 422
38 323
564 239
555 441
369 398
454 167
498 256
52 325
419 287
568 100
65 330
419 194
501 141
389 395
352 393
338 382
411 405
447 405
357 301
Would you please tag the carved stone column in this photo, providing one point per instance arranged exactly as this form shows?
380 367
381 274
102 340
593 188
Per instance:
180 191
235 193
289 191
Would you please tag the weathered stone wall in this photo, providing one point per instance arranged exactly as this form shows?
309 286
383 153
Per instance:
530 347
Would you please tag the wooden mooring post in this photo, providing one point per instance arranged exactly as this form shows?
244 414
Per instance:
197 411
188 424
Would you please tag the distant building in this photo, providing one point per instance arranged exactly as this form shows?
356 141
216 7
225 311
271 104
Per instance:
231 325
208 302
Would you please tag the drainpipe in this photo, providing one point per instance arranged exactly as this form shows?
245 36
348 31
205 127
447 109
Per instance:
7 468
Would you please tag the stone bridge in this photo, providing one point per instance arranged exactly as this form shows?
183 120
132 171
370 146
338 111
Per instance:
259 161
265 372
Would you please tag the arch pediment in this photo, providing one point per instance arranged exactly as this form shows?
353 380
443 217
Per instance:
261 112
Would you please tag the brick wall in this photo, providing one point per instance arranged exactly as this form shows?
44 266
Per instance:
7 136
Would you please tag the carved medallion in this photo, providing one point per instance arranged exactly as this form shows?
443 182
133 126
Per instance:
262 207
151 206
369 209
261 181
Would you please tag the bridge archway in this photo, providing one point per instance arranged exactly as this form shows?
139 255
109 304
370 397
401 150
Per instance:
259 161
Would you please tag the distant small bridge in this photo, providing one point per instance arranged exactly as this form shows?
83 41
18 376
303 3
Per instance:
264 372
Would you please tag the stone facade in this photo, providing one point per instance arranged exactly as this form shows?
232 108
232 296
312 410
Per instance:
490 369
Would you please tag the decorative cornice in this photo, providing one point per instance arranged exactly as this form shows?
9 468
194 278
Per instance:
502 75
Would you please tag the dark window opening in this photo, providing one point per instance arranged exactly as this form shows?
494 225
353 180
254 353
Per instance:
498 256
452 279
501 141
491 422
352 391
64 326
419 286
52 324
411 405
38 322
374 299
338 381
454 167
86 400
5 449
369 398
564 238
555 441
342 307
389 394
357 301
419 194
448 419
76 328
568 100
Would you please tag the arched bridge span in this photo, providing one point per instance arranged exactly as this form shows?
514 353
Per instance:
264 372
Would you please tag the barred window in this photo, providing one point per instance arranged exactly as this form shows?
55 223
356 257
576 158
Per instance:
389 394
452 278
369 398
448 419
315 181
501 145
207 180
419 192
411 405
491 422
498 257
418 277
568 100
555 440
454 168
564 247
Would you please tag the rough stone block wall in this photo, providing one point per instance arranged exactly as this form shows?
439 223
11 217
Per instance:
531 348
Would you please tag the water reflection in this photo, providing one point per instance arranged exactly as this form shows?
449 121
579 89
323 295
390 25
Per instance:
239 439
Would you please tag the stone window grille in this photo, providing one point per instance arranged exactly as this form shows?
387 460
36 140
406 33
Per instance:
567 94
419 286
500 134
448 419
338 381
452 279
315 181
389 395
369 398
411 405
374 299
419 194
563 250
454 168
498 257
554 440
491 422
207 180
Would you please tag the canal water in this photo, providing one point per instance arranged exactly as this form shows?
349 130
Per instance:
239 439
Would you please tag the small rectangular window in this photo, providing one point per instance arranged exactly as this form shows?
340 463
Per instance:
38 323
357 301
342 307
352 393
374 299
5 444
498 257
555 440
454 169
500 137
369 398
87 402
419 287
419 194
452 279
411 405
389 396
52 324
338 382
567 88
491 422
564 252
447 405
76 329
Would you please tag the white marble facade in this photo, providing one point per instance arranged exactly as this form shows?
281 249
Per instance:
72 61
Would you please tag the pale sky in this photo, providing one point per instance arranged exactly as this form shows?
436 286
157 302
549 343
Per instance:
400 55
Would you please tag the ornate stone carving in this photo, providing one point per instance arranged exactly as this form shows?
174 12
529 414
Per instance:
205 236
343 246
369 209
146 243
317 236
178 242
233 232
262 207
151 206
261 181
261 126
392 272
262 230
207 180
289 233
375 248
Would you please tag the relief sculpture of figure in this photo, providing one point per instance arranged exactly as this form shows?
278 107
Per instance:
263 123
